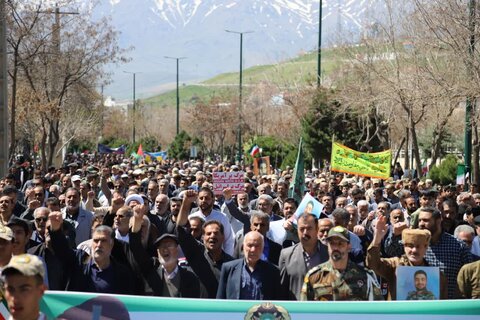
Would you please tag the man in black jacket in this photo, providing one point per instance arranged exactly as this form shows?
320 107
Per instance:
97 273
163 274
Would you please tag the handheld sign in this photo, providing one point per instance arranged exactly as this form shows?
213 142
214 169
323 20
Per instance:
233 180
418 283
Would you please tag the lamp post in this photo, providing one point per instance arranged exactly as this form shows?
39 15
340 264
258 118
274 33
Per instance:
469 107
133 108
239 154
178 91
319 57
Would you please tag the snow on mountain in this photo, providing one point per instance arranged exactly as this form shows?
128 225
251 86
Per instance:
196 29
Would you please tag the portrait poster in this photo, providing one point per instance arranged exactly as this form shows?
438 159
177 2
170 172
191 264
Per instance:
309 204
261 166
418 283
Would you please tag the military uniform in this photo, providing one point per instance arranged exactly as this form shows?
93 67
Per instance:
324 283
420 295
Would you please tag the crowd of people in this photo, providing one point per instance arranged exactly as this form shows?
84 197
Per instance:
107 225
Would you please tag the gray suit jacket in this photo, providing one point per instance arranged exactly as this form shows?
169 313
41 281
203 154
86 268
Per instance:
293 269
83 224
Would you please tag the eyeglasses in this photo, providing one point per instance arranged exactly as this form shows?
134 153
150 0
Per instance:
41 219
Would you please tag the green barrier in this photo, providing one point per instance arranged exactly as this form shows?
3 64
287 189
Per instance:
79 306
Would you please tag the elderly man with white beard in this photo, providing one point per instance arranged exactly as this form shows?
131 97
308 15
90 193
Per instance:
163 274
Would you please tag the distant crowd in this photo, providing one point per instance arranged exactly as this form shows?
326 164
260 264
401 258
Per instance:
108 225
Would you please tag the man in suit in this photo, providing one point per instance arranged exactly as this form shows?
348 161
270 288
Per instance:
250 278
260 221
297 260
253 221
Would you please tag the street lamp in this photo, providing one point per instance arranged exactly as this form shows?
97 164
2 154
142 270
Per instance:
239 155
319 58
133 108
469 103
178 91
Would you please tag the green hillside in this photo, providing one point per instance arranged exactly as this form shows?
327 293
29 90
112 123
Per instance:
301 70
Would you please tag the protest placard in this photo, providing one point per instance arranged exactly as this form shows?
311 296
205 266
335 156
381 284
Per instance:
233 180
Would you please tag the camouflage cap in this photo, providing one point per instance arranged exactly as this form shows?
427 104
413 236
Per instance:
6 233
339 232
27 264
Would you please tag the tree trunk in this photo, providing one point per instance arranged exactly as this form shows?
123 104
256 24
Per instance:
475 174
415 150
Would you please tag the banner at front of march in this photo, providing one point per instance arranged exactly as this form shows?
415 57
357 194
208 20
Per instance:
87 306
375 165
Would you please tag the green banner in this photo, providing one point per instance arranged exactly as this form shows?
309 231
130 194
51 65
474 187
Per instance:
375 165
83 306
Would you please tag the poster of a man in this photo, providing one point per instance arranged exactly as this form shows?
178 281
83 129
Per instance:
421 292
418 283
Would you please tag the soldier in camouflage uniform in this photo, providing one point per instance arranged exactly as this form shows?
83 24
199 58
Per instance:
339 278
421 292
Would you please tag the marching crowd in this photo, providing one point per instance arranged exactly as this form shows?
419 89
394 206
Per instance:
110 226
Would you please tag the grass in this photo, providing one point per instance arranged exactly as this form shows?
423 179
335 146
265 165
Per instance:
299 71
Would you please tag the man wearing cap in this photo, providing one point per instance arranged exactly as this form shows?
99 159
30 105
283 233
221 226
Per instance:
22 233
339 278
6 245
415 242
445 251
24 287
162 273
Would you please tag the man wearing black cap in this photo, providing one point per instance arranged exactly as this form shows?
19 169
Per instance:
339 278
163 274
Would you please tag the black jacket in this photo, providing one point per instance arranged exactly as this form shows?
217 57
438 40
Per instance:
151 269
202 264
77 264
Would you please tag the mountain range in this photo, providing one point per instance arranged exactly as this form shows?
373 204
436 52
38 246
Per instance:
195 29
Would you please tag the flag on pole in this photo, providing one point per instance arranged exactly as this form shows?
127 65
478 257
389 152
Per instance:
461 174
140 150
255 150
297 185
425 167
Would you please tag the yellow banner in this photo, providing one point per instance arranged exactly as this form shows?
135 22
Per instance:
375 165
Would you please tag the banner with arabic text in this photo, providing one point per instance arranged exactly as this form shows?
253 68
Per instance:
375 165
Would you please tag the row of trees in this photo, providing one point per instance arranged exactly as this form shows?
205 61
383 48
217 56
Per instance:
403 85
56 66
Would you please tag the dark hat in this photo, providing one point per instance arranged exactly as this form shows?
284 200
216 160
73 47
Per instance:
428 193
19 222
477 220
165 236
339 232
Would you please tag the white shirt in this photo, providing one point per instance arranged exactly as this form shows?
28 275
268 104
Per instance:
229 242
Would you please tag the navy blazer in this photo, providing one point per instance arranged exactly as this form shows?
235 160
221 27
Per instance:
231 279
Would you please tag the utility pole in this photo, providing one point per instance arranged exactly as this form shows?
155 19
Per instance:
178 90
239 154
468 107
133 107
319 57
3 93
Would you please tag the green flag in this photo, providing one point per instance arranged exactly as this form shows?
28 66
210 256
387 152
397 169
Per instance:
297 185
